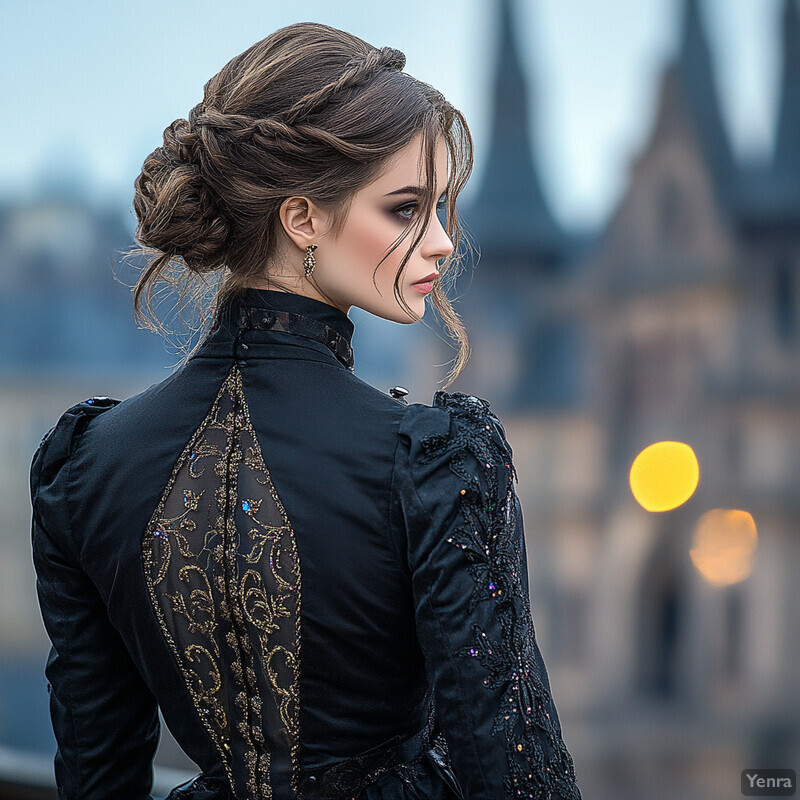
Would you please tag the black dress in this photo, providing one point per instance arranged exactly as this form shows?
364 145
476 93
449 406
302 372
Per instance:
323 587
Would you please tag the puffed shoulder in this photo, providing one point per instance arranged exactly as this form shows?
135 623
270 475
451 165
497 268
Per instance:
453 458
49 470
454 427
475 426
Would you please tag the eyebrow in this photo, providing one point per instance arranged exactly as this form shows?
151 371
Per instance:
418 191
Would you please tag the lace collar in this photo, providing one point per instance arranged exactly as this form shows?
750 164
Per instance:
270 309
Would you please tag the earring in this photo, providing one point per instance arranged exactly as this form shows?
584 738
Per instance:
309 262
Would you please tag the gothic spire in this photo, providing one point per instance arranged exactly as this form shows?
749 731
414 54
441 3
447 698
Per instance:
696 74
510 216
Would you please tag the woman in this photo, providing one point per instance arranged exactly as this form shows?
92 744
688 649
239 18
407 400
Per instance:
323 587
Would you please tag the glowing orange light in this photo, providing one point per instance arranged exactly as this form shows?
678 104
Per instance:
664 475
724 543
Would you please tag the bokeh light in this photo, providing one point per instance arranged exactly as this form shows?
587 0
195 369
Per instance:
724 543
664 475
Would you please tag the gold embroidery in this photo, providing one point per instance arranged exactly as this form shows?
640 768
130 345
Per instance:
223 573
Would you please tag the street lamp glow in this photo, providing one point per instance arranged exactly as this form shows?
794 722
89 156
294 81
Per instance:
725 541
664 475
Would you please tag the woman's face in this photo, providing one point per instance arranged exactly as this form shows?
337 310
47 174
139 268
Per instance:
378 215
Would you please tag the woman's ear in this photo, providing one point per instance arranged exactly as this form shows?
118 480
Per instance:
303 221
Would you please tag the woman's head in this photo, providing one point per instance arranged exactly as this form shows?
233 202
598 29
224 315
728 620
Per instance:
306 138
345 272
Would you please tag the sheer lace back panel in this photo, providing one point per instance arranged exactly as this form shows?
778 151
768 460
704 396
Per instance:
223 573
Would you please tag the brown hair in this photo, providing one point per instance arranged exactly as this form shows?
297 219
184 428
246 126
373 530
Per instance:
311 111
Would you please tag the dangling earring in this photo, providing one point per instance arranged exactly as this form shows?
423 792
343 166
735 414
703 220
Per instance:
309 262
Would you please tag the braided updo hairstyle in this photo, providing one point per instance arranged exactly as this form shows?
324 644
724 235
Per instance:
312 111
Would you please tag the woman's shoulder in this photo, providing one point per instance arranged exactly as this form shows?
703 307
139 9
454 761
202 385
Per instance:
56 445
453 455
51 463
455 423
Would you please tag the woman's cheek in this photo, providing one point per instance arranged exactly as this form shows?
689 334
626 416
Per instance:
375 239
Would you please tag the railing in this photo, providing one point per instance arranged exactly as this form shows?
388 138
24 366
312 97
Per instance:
29 776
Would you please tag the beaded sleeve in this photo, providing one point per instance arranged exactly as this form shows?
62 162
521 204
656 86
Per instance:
454 490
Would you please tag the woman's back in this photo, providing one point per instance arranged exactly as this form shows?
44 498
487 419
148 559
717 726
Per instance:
273 540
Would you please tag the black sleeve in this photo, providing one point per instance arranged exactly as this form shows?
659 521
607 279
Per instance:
453 490
105 718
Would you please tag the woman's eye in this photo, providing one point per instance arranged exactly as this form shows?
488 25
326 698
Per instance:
412 206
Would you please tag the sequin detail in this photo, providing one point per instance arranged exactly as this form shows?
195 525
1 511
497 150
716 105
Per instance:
223 574
490 536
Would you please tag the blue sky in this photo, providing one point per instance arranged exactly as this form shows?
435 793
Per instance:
89 85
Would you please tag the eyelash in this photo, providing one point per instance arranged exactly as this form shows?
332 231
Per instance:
440 205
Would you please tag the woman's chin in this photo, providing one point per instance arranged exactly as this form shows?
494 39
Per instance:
418 306
404 317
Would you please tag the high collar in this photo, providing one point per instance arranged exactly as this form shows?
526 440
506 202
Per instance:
271 309
299 304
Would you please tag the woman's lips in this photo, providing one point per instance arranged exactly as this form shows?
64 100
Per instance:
426 284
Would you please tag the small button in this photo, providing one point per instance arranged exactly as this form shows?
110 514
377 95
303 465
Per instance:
312 778
398 392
